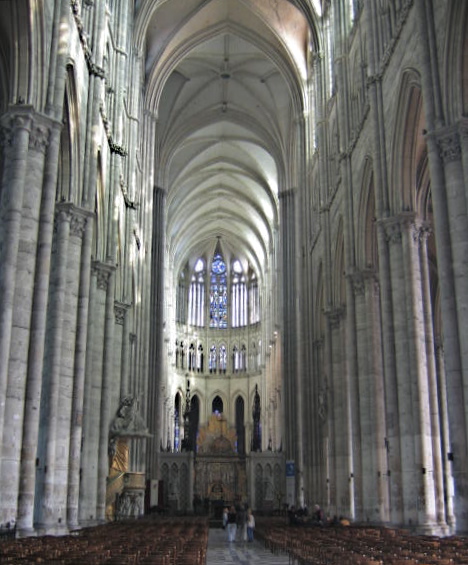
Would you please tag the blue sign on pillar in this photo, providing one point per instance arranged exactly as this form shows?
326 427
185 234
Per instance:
290 483
290 469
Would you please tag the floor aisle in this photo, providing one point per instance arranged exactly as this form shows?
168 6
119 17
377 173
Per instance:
220 551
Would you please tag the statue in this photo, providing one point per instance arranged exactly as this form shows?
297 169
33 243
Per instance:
256 412
128 422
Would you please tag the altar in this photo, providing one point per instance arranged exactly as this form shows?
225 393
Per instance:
220 472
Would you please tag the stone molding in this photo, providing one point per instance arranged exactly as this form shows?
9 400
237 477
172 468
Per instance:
93 69
114 147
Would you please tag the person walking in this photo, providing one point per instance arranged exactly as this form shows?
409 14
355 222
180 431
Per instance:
250 525
232 524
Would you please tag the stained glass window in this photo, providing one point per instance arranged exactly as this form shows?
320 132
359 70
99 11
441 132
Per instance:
218 293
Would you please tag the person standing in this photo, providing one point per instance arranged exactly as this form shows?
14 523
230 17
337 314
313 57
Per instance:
232 524
225 517
250 525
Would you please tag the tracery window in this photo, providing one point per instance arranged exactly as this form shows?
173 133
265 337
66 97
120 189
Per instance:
191 358
226 294
213 361
239 297
200 358
218 293
222 359
254 300
177 405
196 299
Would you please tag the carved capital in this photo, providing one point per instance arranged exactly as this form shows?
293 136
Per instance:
364 280
357 280
394 226
102 272
120 311
39 139
11 123
421 232
335 316
392 229
449 144
463 128
287 194
78 218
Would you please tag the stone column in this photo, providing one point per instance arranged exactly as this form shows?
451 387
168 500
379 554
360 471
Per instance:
448 189
156 345
48 518
21 307
371 398
412 371
447 457
452 248
121 319
403 382
432 380
27 474
106 395
16 125
342 484
76 428
290 338
463 129
419 372
88 486
320 427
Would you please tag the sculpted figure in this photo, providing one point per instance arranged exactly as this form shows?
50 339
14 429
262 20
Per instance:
128 421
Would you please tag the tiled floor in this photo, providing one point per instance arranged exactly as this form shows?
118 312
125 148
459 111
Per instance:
220 551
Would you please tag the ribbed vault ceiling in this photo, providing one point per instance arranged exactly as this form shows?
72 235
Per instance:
224 79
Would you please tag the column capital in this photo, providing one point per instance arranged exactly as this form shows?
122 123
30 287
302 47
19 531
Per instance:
449 144
287 193
120 311
361 278
421 231
318 343
393 227
103 272
78 217
335 315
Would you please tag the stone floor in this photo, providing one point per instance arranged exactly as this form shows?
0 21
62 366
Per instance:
220 551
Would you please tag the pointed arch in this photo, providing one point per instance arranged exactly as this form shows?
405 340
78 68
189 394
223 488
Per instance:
240 424
339 281
320 321
99 244
456 61
409 143
69 170
366 249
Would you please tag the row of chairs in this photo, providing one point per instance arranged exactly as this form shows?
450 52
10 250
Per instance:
155 540
357 545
